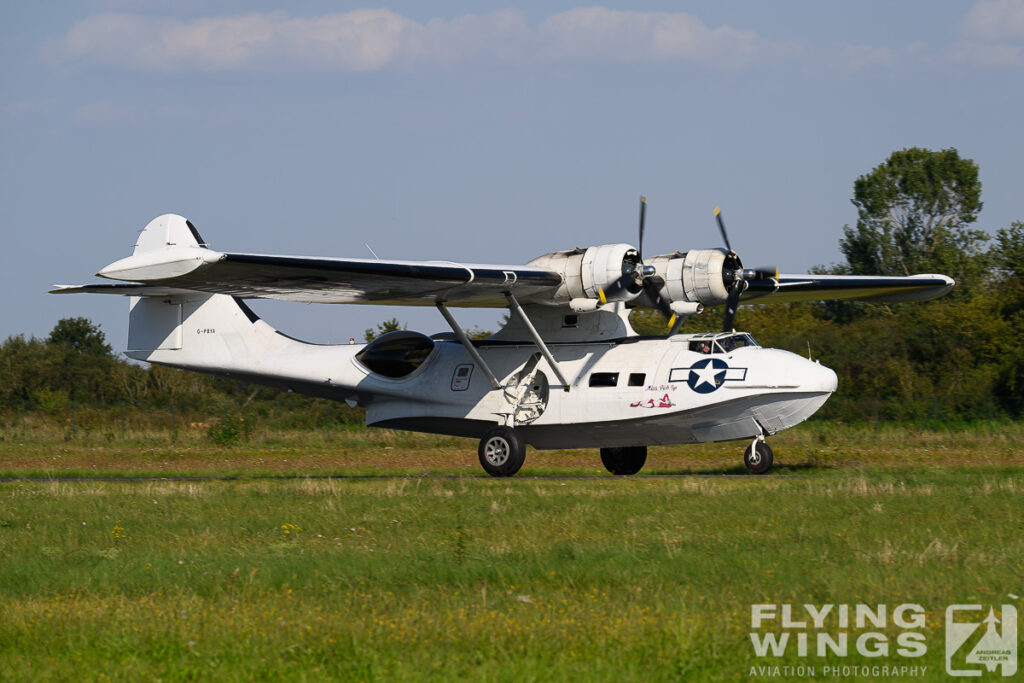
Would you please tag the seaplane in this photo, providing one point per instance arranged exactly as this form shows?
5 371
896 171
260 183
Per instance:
565 371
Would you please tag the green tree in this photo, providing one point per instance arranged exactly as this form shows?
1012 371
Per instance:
383 328
1007 289
25 370
80 336
914 215
648 322
1007 255
82 361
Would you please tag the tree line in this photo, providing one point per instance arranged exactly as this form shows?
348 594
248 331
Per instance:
960 357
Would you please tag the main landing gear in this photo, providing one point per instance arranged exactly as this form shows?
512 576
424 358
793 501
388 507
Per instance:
758 457
629 460
502 452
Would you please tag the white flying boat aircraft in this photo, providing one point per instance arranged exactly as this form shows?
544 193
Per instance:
566 371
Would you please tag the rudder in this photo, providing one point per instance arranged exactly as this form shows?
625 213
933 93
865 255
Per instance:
206 330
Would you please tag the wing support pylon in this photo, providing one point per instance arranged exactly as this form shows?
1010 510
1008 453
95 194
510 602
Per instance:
468 344
518 310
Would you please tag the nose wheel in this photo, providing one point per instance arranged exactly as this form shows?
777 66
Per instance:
758 457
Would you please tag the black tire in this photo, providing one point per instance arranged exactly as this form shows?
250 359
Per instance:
502 452
629 460
761 461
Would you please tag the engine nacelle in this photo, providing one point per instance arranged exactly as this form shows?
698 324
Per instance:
696 276
585 272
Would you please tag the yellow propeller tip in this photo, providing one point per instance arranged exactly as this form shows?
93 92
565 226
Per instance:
672 321
717 211
600 295
643 199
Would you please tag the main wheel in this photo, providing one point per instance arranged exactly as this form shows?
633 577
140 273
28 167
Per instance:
759 460
629 460
502 452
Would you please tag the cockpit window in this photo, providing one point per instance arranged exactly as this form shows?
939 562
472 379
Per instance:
702 346
396 354
723 343
736 341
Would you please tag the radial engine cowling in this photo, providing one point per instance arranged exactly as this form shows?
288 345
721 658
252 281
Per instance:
698 275
587 272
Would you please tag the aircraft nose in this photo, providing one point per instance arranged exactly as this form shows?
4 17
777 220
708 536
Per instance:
823 378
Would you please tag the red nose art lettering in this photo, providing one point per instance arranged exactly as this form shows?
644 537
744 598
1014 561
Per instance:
663 402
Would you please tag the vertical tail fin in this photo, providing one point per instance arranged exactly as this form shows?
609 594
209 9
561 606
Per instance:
168 230
205 330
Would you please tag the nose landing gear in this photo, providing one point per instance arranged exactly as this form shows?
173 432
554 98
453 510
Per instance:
758 457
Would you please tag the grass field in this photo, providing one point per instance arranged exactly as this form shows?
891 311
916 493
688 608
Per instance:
49 448
428 576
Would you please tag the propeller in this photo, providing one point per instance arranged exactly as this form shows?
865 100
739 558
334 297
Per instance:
735 277
641 277
649 281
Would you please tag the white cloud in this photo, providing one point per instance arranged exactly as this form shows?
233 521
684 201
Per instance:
362 40
375 39
994 31
995 20
599 34
988 55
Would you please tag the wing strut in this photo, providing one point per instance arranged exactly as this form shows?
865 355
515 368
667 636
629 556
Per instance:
468 344
514 305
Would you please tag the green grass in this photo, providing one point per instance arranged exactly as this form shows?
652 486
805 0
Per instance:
608 578
44 447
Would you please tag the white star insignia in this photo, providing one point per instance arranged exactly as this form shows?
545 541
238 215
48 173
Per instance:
706 374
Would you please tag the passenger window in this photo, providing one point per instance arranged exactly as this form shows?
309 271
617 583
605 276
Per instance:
636 379
460 380
604 379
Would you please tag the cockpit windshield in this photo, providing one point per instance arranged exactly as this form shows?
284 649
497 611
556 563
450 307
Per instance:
736 341
722 343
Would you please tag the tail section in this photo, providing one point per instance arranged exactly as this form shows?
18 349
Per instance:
190 329
206 330
213 333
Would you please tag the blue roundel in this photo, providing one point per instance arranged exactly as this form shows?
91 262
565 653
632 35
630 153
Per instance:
707 375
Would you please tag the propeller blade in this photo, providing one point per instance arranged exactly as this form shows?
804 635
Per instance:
640 242
731 304
615 288
721 228
652 288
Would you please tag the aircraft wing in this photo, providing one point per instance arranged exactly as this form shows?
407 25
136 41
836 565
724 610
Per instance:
791 288
121 288
327 280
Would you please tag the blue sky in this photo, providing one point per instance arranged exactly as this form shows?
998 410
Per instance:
477 132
